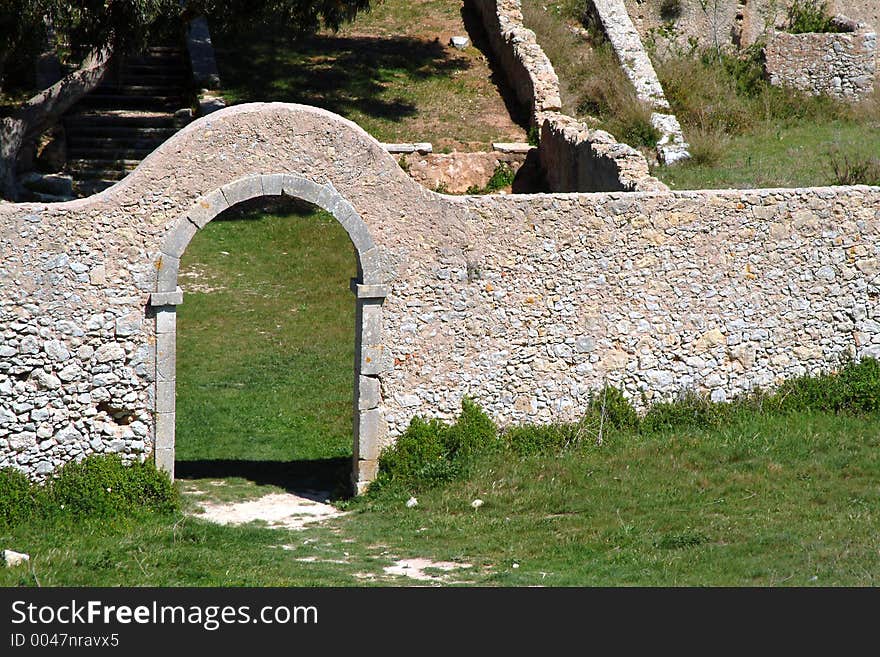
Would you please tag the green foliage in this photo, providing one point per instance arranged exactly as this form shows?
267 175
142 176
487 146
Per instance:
104 486
540 439
99 486
431 452
632 125
18 501
855 389
534 135
613 409
473 433
810 16
502 177
670 10
691 411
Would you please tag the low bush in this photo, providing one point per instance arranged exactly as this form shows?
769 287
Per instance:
99 486
854 169
104 486
805 16
502 177
431 452
18 500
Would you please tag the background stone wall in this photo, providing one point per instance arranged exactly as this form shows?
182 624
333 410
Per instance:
525 303
574 157
842 65
735 22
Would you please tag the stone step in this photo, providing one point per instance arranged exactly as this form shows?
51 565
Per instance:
102 168
119 119
164 78
137 90
110 152
108 101
101 135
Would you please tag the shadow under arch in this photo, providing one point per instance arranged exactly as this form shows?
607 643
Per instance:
369 288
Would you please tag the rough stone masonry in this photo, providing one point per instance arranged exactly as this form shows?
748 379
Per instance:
525 303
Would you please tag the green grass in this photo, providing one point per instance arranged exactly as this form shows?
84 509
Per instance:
786 156
266 340
391 71
787 499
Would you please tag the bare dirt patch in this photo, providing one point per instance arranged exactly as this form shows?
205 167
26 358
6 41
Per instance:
417 569
277 510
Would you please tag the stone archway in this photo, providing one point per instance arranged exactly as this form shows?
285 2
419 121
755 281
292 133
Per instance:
369 289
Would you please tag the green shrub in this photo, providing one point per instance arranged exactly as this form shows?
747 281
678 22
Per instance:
691 411
473 433
809 16
431 452
540 439
420 447
670 10
854 389
18 499
618 413
104 486
854 170
502 177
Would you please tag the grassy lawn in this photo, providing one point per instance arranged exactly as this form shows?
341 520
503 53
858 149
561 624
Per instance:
392 71
784 500
266 340
785 156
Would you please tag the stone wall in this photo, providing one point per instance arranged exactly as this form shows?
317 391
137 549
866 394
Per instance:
634 61
842 65
573 156
732 23
527 303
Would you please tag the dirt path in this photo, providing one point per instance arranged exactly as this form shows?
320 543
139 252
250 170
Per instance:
277 510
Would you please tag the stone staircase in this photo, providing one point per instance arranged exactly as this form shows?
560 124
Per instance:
122 121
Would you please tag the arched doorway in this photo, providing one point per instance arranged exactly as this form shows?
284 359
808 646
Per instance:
369 288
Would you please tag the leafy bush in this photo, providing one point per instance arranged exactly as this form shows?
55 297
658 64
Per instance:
431 452
473 433
805 16
502 177
618 413
690 411
540 439
17 497
670 10
854 389
104 486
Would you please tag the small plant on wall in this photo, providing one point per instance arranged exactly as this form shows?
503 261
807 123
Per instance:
805 16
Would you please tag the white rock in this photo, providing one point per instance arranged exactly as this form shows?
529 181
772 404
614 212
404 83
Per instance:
13 558
412 502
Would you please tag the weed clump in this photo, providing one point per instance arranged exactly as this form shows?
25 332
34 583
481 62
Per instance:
104 486
18 501
431 452
99 486
804 16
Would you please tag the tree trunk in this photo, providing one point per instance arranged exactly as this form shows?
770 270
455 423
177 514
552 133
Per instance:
11 139
44 110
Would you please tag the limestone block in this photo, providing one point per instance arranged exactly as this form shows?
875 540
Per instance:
243 189
207 207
